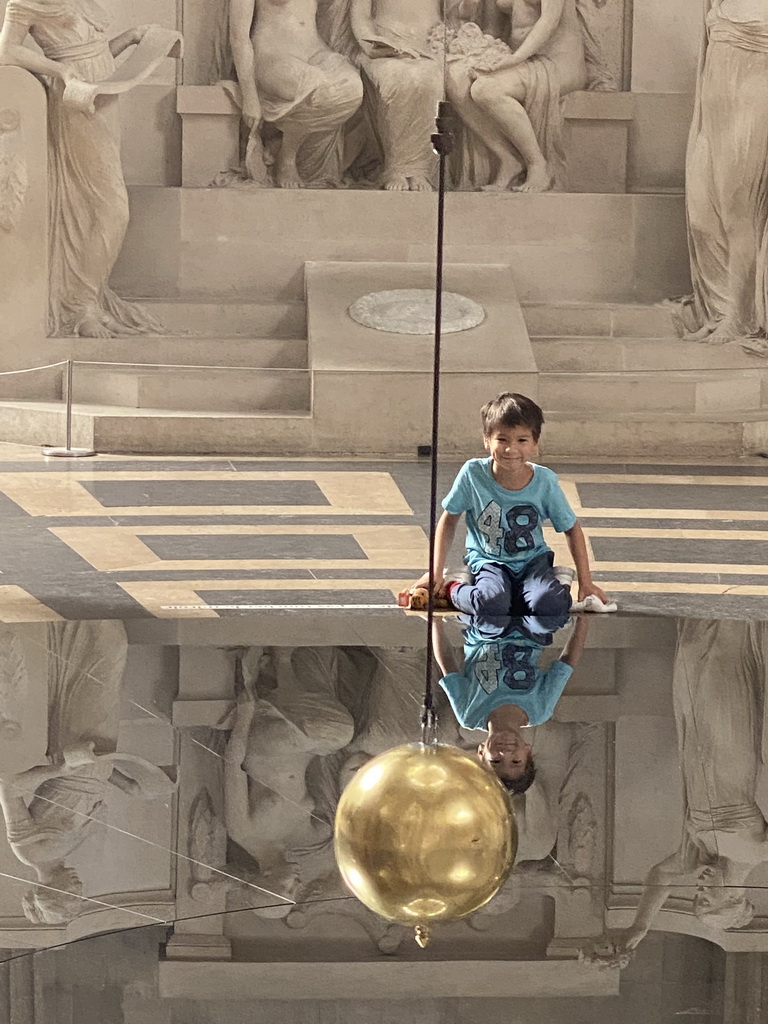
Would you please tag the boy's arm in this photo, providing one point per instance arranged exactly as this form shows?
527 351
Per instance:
576 643
578 548
443 651
444 535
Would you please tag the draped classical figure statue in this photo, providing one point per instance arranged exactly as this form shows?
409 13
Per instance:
406 85
509 94
720 684
88 214
52 808
727 181
397 45
287 713
291 80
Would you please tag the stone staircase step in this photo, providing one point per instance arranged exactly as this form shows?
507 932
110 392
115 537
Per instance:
643 435
595 354
230 319
185 350
689 391
617 320
209 389
117 429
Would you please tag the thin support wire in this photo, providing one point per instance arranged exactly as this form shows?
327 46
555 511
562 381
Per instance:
442 141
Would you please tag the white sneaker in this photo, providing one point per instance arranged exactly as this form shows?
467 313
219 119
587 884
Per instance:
564 574
594 604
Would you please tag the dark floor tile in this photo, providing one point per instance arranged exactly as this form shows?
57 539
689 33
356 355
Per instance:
242 601
704 552
654 495
704 577
158 575
257 546
148 493
598 522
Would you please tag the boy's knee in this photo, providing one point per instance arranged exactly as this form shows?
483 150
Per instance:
493 605
547 596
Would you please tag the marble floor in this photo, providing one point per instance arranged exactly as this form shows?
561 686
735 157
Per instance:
171 538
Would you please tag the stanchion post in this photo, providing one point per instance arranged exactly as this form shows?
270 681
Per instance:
68 400
68 452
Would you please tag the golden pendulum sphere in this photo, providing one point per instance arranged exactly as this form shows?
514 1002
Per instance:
424 834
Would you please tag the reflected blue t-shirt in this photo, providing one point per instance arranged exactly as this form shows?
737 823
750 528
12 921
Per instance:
506 526
504 672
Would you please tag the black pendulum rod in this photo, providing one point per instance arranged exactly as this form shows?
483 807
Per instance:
442 142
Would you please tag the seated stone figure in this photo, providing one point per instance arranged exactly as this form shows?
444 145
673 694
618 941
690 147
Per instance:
406 83
512 100
290 78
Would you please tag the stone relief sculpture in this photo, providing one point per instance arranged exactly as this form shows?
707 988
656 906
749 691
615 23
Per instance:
727 182
720 683
13 170
289 78
511 98
405 85
599 76
88 214
506 66
52 808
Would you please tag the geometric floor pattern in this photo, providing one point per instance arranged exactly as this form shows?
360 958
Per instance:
125 537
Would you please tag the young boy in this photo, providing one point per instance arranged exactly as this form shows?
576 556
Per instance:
501 688
506 499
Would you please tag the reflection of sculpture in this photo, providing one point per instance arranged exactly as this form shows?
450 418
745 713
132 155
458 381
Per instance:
291 79
720 684
386 937
267 809
514 105
13 170
50 810
727 181
88 201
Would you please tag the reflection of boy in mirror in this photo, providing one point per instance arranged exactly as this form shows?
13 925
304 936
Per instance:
501 688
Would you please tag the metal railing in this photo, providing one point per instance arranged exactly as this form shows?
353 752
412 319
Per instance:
68 450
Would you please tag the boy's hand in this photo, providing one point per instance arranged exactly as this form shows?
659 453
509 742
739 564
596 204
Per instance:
404 597
423 583
587 588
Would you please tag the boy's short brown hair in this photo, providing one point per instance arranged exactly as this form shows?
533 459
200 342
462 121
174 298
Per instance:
512 410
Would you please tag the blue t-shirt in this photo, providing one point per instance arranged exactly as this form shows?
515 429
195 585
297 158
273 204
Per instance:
504 672
506 526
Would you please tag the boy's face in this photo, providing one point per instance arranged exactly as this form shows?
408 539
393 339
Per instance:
506 754
511 447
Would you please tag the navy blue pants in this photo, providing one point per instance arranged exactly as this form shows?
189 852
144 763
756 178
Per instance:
536 602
